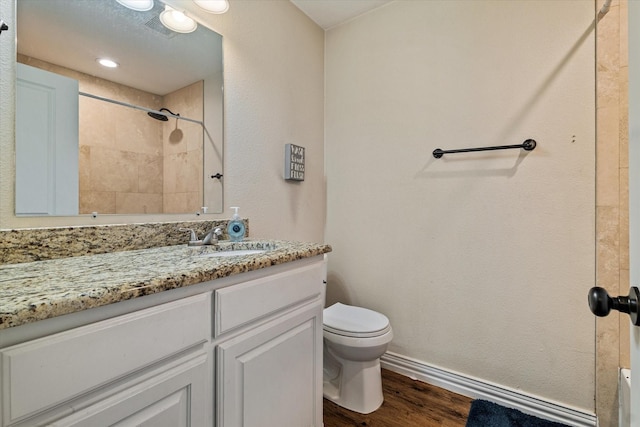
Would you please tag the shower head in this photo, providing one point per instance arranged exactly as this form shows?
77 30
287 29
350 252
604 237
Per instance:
162 117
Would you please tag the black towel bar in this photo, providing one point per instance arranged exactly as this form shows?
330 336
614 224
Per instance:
528 145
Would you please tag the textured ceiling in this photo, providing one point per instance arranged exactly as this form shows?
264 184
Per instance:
73 33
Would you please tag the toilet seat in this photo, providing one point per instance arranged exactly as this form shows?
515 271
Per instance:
357 322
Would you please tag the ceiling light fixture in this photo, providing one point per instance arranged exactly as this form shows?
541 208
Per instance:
107 62
137 5
177 21
213 6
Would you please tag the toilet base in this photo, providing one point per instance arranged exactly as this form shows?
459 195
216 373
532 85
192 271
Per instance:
354 385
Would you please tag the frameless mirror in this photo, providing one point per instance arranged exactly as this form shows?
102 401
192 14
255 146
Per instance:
143 137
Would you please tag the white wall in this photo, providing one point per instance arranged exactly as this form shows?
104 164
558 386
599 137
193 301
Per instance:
274 83
481 261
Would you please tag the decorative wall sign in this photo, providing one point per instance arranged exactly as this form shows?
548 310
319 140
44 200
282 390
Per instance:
293 162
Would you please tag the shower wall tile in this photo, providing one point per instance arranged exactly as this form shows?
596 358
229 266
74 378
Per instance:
103 202
195 162
608 155
138 202
624 33
174 202
183 172
607 335
113 170
190 201
137 132
194 135
624 218
608 247
183 155
612 218
624 114
150 174
625 325
175 172
194 201
84 170
97 123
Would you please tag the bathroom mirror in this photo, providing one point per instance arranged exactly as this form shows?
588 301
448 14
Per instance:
145 137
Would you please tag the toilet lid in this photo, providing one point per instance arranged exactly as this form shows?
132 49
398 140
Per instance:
354 321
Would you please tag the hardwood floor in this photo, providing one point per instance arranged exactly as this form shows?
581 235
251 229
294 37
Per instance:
407 403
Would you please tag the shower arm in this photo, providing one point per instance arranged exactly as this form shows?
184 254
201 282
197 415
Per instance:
137 107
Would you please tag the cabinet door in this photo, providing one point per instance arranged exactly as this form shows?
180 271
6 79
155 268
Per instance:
178 396
272 375
37 375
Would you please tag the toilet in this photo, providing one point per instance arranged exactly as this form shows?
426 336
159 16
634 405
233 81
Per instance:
354 340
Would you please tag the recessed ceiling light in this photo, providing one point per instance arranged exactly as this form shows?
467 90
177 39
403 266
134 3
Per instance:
213 6
107 62
177 21
138 5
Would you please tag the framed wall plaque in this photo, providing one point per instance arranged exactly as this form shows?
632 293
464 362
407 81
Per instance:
293 162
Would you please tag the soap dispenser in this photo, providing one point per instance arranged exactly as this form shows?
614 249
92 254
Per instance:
236 229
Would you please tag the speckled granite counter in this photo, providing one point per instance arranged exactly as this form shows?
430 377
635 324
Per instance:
40 290
40 244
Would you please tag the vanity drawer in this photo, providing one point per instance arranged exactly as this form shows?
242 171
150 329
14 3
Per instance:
46 372
240 304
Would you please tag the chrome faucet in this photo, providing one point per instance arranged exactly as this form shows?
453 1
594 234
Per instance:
211 238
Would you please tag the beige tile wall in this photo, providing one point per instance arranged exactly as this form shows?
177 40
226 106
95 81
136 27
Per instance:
183 157
121 162
612 203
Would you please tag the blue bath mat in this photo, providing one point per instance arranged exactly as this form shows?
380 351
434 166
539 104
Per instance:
488 414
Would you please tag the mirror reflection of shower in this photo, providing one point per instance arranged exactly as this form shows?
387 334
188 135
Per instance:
156 114
162 162
176 135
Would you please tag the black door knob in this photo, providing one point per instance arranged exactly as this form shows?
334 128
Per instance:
601 303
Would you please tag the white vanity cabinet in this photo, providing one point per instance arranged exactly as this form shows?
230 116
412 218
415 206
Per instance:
173 396
244 350
151 365
269 350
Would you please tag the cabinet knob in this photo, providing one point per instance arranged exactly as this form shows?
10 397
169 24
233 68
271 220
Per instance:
601 303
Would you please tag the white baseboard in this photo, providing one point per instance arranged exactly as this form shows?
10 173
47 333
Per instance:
478 389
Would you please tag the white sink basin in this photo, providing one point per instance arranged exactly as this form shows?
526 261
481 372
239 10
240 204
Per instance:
227 249
240 252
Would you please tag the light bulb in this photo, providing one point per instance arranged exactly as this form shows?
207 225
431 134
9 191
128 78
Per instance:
177 21
137 5
105 62
213 6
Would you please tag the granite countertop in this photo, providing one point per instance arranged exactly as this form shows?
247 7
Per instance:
40 290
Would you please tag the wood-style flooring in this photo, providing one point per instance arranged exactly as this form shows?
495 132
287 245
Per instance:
407 403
